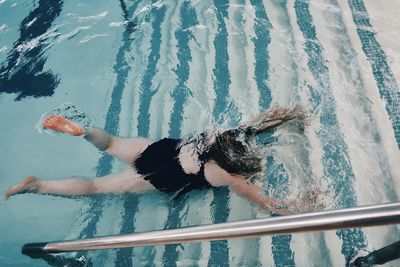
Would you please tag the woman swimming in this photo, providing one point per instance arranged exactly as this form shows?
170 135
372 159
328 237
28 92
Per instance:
172 165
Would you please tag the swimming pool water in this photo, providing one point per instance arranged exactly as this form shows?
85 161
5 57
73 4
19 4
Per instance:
170 68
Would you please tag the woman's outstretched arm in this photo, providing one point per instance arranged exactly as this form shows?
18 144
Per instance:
217 176
308 201
253 193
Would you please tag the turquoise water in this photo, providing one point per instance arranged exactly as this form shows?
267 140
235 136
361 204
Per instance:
170 68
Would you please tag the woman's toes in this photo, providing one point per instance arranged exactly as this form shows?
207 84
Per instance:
26 185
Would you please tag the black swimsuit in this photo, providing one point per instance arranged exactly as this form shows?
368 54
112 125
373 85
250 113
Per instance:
159 164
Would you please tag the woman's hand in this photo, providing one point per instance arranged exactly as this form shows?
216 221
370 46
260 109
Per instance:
307 202
311 200
277 206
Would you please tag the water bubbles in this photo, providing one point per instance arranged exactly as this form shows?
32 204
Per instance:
68 111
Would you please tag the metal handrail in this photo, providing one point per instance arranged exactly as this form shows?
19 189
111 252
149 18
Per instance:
365 216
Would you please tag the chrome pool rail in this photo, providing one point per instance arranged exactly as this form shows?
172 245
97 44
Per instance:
365 216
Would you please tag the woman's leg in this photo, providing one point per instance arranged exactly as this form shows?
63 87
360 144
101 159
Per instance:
126 149
124 182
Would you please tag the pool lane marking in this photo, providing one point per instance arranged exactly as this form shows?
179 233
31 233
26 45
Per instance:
122 68
180 94
261 41
387 141
200 78
147 89
351 68
282 253
244 95
104 165
198 108
131 202
369 160
221 71
348 89
198 118
285 23
166 79
335 157
385 80
220 208
163 82
145 95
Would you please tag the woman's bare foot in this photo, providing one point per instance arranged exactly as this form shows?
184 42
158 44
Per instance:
27 185
60 124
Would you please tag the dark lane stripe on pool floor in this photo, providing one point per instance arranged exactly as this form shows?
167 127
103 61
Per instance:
122 68
104 166
261 55
335 157
385 80
146 94
280 245
180 94
147 90
351 66
219 251
222 78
